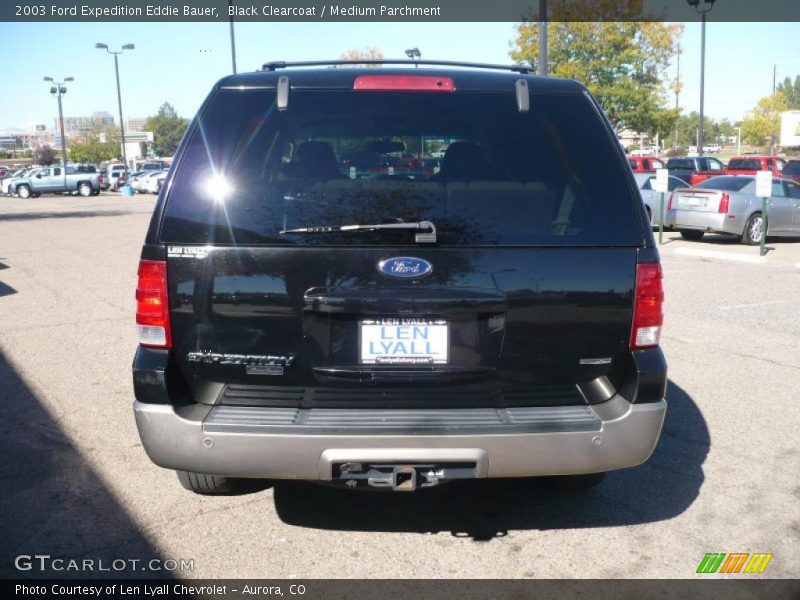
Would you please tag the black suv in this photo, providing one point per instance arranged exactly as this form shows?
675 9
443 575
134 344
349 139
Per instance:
303 315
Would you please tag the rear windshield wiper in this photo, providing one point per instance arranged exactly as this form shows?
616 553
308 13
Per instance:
426 229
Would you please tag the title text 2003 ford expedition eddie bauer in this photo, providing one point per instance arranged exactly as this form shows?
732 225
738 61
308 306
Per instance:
303 314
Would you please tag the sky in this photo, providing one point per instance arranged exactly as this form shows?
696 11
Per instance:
179 62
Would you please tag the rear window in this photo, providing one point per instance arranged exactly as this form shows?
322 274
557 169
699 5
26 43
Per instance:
792 168
471 163
726 184
680 163
743 164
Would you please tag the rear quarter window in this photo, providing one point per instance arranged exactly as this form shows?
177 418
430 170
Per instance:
471 163
726 184
744 164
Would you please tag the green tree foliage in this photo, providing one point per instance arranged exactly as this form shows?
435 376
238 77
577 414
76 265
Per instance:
45 155
623 63
96 147
763 123
791 90
168 129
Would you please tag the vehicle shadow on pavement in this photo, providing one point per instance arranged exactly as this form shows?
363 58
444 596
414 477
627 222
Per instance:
72 214
661 489
6 290
53 503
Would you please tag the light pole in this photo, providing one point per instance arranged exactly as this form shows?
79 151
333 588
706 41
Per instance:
119 98
57 89
708 5
413 53
543 38
233 39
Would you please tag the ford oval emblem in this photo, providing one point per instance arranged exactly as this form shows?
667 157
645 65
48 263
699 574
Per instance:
405 267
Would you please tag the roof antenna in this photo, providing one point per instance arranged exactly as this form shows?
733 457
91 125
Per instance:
523 96
282 94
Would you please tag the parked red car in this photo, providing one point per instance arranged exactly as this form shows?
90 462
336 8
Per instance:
645 164
750 164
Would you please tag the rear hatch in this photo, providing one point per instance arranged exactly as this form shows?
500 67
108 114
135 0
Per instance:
505 279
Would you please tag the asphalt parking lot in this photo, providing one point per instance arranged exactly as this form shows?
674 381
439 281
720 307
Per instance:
76 482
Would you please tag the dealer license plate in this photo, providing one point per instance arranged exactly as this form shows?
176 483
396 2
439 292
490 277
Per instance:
404 342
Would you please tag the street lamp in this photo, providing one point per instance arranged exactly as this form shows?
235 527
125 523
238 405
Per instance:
119 97
413 53
58 89
707 6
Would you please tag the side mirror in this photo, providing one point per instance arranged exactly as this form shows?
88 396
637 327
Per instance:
38 176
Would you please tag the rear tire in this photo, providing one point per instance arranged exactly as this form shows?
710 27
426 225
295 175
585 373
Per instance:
200 483
753 230
24 192
692 234
576 483
85 190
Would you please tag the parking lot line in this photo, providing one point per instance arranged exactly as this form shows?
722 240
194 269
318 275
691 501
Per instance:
719 255
753 304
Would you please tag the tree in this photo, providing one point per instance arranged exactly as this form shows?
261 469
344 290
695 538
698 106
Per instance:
763 123
95 148
791 91
622 63
368 53
44 155
168 129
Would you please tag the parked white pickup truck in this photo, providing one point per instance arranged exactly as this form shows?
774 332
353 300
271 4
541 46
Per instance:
53 180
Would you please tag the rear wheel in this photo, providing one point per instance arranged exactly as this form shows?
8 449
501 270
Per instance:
692 234
200 483
753 230
24 191
85 190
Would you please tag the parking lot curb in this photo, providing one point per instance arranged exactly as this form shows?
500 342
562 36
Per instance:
720 255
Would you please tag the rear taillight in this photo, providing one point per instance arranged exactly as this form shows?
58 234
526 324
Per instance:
724 203
669 204
647 306
152 305
392 83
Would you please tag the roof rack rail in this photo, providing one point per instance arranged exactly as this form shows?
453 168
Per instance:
280 64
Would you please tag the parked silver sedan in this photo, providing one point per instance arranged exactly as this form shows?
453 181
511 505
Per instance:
728 204
652 198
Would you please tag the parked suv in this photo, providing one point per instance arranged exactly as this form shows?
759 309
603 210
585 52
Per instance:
300 318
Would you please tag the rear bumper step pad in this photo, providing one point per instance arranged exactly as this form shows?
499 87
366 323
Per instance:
240 419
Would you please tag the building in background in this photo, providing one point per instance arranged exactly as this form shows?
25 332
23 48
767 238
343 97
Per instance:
137 146
136 124
790 129
80 127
